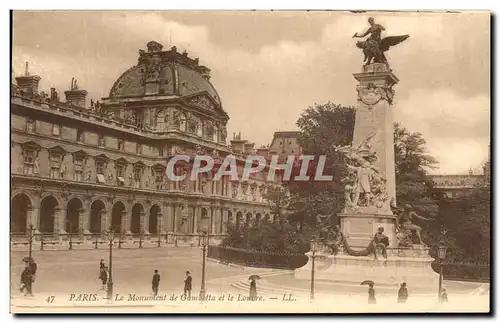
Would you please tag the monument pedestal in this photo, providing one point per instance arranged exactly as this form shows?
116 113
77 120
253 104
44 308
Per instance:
359 228
410 265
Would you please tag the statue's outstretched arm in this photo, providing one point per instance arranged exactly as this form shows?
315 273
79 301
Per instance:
363 35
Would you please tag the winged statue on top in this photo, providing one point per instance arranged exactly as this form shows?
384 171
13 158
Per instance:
375 46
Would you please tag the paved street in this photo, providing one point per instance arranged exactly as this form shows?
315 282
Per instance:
62 273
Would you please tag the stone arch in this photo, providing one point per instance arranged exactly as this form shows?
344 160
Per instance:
55 196
74 196
118 212
97 211
20 205
31 197
136 213
154 214
266 218
49 207
73 213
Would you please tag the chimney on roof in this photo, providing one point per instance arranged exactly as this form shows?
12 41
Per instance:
249 148
28 83
263 151
75 96
237 144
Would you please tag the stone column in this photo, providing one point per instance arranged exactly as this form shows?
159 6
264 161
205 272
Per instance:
125 226
169 218
224 219
104 221
374 129
82 221
195 219
213 221
160 224
145 223
59 220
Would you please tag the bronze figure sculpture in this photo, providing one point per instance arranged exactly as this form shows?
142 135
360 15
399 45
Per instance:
375 46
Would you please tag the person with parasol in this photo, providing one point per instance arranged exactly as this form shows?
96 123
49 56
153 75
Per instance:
253 285
371 291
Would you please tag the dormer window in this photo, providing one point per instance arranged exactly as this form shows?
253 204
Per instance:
55 165
29 162
137 175
80 135
30 125
56 130
121 144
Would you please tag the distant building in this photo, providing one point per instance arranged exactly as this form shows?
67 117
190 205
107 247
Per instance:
285 143
455 186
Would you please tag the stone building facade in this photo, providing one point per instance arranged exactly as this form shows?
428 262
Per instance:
84 168
456 186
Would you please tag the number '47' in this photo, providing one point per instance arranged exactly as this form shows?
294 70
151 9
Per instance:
50 299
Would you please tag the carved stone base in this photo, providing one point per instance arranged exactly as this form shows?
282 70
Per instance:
413 266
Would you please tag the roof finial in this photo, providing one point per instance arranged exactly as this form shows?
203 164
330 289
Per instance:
26 72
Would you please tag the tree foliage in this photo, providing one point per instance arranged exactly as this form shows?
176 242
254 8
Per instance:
322 128
413 185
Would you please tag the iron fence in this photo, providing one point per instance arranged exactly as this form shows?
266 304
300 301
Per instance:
253 258
466 271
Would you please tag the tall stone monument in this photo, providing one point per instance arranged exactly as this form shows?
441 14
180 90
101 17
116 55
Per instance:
358 252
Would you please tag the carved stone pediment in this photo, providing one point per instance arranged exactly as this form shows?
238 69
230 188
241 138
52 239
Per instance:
202 101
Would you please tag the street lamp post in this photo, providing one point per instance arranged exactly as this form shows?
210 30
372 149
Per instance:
111 237
30 242
204 243
441 256
159 234
314 248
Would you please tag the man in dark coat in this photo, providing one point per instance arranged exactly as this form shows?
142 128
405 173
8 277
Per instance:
156 282
104 277
187 284
402 293
26 280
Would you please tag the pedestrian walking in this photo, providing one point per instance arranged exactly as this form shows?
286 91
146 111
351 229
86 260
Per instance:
187 284
253 288
104 277
371 295
444 296
402 293
102 264
33 268
156 282
26 281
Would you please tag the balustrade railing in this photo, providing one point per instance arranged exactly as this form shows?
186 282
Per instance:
72 241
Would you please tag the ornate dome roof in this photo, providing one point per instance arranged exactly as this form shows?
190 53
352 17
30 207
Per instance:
164 73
